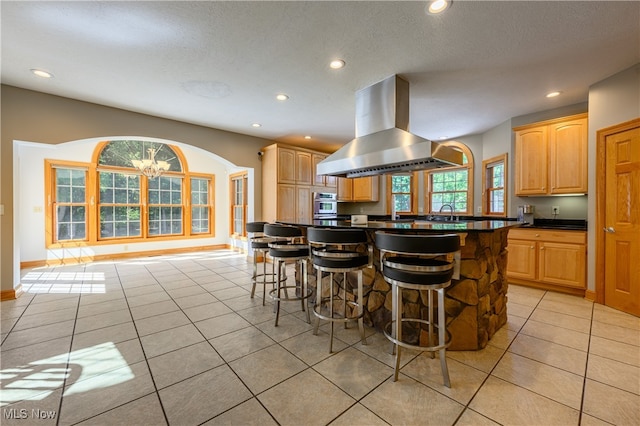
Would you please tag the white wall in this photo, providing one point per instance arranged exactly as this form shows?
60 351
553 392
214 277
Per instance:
31 205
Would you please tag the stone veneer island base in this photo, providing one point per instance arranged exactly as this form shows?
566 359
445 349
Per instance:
476 303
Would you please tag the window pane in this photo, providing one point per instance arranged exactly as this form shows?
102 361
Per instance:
165 220
77 214
63 231
401 183
402 202
199 220
63 177
106 195
78 194
154 197
63 194
106 230
122 219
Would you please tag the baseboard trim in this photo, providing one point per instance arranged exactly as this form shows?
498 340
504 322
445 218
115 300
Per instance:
116 256
590 295
11 294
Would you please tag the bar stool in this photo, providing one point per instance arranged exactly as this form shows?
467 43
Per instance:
418 262
338 251
290 246
259 244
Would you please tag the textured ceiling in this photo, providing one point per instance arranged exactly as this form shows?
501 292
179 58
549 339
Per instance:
220 64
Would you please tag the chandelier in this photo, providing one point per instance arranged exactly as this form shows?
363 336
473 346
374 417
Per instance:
149 166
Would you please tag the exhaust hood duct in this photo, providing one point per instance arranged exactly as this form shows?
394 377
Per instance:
383 144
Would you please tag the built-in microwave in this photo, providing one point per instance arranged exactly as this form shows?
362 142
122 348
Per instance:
325 205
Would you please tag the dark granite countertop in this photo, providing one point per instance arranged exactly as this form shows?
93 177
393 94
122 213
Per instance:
561 224
417 225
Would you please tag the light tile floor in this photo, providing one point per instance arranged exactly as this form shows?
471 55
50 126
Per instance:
177 340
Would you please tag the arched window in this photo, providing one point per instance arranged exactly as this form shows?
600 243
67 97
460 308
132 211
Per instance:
111 200
451 187
122 153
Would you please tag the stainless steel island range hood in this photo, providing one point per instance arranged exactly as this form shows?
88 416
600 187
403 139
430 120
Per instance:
383 144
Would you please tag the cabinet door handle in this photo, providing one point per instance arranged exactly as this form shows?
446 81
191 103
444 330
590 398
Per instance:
531 247
610 230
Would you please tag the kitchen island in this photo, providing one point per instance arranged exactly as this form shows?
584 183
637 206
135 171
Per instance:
475 303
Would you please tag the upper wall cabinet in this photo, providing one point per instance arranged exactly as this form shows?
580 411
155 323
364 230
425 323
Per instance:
294 166
288 181
551 157
329 181
359 189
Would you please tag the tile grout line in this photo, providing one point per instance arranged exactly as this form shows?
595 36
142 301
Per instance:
64 382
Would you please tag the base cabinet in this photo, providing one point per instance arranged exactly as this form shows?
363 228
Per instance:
548 259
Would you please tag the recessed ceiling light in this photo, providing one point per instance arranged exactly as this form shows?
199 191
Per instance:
438 6
256 125
336 64
307 137
553 94
41 73
444 137
282 97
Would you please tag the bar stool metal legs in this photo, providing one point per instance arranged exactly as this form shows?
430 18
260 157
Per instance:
331 317
289 246
259 245
280 293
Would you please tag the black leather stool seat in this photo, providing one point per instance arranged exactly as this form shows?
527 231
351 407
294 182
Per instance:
296 250
356 260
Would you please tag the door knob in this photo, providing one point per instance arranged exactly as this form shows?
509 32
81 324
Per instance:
610 230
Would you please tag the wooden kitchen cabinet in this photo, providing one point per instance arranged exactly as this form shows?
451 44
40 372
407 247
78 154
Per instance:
552 259
359 189
288 181
551 157
304 171
523 259
327 181
532 161
294 167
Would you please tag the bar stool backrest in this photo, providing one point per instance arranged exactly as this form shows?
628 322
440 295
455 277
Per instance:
341 244
336 236
255 227
418 244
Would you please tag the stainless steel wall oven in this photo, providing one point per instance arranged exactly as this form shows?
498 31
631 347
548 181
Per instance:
325 205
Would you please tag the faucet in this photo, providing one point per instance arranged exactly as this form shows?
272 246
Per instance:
450 208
